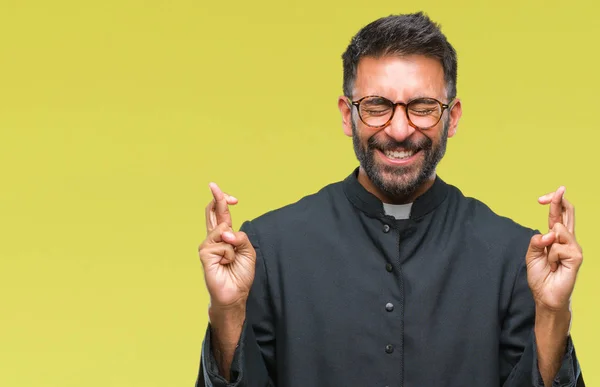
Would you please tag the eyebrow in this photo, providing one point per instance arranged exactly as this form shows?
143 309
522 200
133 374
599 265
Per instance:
379 98
421 97
418 96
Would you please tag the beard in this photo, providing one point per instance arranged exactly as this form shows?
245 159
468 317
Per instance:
399 182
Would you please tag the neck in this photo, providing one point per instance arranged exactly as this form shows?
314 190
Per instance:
364 180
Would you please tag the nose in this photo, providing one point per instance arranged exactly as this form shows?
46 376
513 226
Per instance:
399 127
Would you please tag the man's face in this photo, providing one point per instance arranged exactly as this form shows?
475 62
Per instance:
398 159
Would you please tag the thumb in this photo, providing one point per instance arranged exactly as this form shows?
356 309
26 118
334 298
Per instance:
539 242
239 240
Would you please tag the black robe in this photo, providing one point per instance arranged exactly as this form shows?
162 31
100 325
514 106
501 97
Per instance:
346 296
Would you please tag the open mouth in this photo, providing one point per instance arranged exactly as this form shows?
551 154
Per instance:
399 155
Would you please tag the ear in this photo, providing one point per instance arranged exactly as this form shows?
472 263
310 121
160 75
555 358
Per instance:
346 112
455 114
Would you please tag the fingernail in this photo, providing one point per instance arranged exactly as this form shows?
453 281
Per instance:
233 198
228 235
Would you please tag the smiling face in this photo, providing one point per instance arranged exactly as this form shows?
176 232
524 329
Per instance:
398 161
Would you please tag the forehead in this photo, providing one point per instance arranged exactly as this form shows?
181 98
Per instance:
400 78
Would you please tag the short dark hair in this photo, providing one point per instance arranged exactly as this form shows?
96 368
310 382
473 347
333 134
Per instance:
409 34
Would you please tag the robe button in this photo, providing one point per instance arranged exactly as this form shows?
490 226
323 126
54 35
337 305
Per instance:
386 228
389 348
389 307
388 267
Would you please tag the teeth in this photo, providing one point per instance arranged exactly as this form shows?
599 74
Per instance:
399 155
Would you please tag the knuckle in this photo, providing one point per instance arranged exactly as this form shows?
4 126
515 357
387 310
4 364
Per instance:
203 245
244 237
212 236
558 226
202 253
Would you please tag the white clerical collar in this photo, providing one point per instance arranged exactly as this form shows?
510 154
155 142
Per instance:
398 211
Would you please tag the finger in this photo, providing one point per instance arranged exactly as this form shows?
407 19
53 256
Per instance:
564 255
216 235
556 208
221 207
222 253
555 253
563 235
210 217
230 199
547 198
539 242
569 216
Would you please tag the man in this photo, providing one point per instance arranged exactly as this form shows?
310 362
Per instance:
391 277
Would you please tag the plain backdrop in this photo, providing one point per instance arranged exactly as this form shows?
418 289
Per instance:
116 114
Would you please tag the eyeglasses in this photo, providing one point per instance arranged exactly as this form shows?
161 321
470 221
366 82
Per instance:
421 113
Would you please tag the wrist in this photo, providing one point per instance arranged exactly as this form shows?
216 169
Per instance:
226 313
227 322
552 322
552 313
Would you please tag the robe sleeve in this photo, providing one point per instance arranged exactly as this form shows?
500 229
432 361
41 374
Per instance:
254 359
518 355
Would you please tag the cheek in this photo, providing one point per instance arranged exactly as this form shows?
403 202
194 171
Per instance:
358 130
436 141
363 134
438 133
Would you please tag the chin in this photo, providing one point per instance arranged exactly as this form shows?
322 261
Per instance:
397 185
400 175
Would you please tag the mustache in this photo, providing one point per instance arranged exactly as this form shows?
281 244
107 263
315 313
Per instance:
386 143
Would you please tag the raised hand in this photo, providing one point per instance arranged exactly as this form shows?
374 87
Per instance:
228 257
553 259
